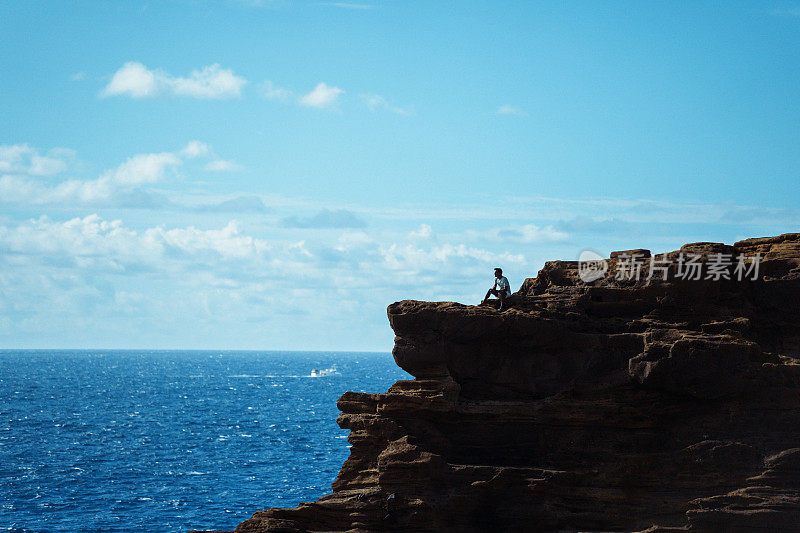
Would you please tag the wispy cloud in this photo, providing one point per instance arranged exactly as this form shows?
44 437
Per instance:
135 80
270 91
376 102
21 170
321 96
507 109
142 168
117 186
325 96
25 160
195 149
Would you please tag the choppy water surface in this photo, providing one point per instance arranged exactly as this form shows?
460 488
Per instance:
170 440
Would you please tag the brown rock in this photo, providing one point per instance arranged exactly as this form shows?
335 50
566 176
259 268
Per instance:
618 405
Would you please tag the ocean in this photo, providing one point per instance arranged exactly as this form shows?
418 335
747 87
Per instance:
168 441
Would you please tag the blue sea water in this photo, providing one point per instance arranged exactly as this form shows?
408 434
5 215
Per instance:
170 441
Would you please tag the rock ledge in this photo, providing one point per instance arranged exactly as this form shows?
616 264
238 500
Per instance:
615 405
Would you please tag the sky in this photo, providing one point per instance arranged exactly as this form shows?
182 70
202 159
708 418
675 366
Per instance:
219 174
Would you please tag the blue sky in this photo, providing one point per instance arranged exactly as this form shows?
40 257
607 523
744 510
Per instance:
271 175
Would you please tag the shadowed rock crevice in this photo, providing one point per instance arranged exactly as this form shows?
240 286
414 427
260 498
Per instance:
615 405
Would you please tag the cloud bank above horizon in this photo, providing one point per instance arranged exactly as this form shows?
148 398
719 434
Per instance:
250 258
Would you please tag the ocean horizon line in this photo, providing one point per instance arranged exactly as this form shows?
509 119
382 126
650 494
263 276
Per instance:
222 350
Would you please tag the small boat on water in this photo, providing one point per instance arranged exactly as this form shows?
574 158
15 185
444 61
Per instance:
324 372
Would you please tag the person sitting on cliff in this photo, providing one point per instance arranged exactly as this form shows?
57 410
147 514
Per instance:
501 288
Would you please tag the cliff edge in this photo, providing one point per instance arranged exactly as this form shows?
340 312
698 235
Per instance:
619 404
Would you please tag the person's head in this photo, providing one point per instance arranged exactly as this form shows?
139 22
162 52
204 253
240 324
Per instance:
498 272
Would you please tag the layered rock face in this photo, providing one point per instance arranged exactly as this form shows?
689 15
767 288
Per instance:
613 405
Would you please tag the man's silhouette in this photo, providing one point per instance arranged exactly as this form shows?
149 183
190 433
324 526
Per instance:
501 288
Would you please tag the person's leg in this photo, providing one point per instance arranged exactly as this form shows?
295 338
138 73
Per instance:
490 292
502 296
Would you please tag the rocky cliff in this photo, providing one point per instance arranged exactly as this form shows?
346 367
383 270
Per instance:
621 404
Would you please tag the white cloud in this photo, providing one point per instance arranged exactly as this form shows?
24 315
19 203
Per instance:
21 167
15 189
195 149
96 270
142 168
227 242
324 95
424 232
227 256
137 81
134 80
270 91
507 109
78 76
415 259
25 160
321 96
101 245
77 191
212 81
375 102
69 192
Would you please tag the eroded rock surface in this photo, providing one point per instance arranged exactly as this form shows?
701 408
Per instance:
617 405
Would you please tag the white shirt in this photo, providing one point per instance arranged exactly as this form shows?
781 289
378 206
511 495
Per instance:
502 284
